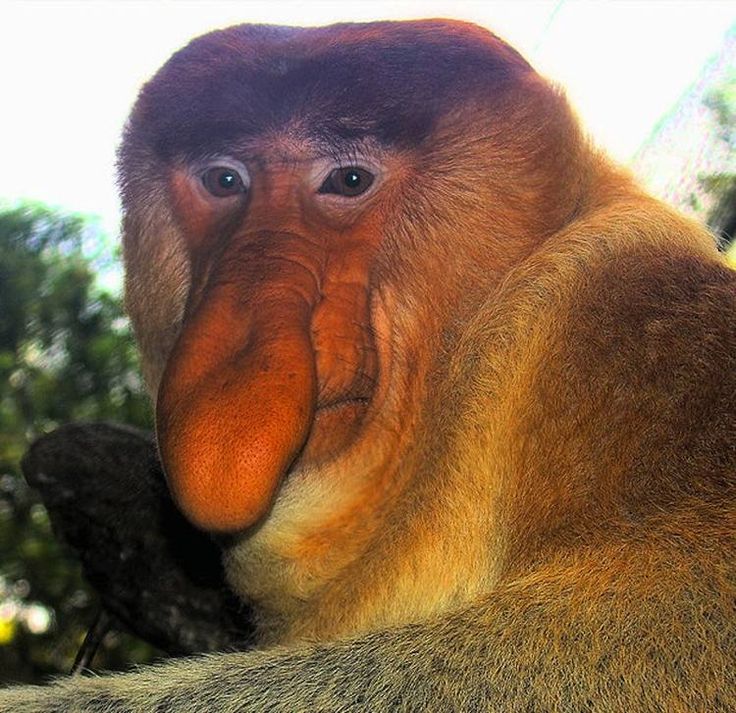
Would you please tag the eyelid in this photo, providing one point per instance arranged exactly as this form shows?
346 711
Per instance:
199 169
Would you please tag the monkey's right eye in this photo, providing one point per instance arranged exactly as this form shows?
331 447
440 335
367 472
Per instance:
223 181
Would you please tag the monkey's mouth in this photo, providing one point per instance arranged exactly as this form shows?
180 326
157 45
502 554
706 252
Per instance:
347 403
338 420
347 370
336 425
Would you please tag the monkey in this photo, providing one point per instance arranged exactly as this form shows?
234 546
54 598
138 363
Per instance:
453 394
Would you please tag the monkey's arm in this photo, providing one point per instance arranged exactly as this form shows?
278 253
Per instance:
636 627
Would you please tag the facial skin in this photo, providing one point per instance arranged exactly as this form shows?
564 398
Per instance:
455 396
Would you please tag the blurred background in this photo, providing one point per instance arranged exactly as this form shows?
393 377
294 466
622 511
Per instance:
654 82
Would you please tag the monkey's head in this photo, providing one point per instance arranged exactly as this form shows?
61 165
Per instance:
310 215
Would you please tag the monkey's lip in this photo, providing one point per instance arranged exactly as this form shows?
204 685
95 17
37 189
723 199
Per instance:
337 423
342 413
341 402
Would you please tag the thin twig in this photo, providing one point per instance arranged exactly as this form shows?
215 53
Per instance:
100 626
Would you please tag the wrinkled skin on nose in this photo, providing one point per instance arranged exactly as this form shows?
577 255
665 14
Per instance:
238 397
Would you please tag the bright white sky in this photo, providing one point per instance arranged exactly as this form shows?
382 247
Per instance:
71 70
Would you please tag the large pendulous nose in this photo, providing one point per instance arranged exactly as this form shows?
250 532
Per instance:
238 396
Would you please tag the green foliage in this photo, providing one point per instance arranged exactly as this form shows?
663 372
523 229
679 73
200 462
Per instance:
66 354
722 102
722 186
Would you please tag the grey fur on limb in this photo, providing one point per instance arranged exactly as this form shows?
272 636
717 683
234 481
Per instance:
445 666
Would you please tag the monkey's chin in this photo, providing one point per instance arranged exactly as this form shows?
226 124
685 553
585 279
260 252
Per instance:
336 426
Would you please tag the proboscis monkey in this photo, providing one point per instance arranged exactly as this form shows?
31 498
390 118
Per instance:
458 398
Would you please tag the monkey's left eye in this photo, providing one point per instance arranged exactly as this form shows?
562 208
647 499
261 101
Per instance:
223 181
350 181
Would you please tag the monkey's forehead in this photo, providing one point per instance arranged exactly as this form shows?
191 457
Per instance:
386 80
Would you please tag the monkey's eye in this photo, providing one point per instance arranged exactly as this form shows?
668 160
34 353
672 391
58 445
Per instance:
350 181
223 181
